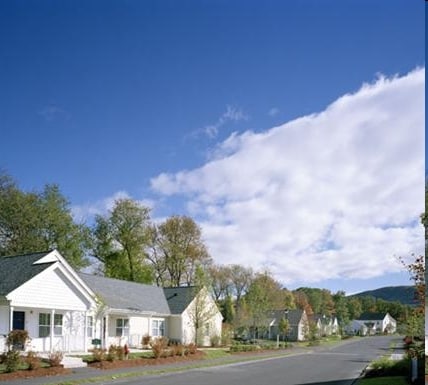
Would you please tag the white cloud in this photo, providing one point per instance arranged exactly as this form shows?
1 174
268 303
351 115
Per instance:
53 112
87 212
335 194
232 114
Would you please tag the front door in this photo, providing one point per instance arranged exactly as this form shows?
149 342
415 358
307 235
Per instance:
18 320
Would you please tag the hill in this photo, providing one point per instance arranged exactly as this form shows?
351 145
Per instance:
402 294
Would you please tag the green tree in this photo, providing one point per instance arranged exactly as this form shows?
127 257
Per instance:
177 250
121 239
284 327
40 221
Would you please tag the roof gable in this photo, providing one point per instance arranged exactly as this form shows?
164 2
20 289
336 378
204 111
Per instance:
18 269
293 316
127 296
179 298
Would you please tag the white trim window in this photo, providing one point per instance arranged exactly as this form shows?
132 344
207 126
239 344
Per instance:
44 325
58 322
158 328
122 327
89 326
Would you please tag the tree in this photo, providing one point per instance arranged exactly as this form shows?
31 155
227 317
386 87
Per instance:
121 239
264 294
40 221
220 281
284 327
203 308
177 250
240 278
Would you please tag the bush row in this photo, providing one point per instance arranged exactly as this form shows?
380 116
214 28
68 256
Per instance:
13 360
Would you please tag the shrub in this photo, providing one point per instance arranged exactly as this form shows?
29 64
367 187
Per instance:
191 348
386 367
98 355
33 360
158 346
215 341
17 339
12 360
55 358
146 340
178 350
243 348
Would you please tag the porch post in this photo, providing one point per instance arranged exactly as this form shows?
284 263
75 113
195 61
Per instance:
105 331
51 334
85 333
10 318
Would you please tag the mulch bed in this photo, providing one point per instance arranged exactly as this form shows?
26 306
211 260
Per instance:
117 364
41 372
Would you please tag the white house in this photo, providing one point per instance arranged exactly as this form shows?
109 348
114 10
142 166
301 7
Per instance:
42 294
372 323
326 325
68 311
298 324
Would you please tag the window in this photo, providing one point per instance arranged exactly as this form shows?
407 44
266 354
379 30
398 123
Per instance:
90 326
58 325
158 328
44 324
207 330
122 327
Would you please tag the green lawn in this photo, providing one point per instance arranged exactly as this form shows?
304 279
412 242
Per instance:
396 380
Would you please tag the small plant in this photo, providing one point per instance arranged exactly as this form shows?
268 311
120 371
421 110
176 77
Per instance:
12 360
192 348
55 358
158 346
98 355
17 339
146 341
215 341
33 360
178 350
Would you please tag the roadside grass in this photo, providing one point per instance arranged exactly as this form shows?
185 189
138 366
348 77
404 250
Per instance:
395 380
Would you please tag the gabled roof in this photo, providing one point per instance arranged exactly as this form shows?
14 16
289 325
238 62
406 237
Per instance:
293 316
18 269
179 298
126 295
372 316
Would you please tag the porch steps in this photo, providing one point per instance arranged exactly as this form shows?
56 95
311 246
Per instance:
73 362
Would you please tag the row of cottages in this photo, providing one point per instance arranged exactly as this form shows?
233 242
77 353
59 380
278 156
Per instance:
298 324
64 310
371 324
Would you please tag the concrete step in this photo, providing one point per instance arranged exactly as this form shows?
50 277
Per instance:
73 362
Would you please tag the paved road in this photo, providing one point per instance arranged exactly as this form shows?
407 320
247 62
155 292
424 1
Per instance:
339 365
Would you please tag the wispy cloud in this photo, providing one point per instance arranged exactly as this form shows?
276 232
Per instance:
52 112
335 194
274 111
232 114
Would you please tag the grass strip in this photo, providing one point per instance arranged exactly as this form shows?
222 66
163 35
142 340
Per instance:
395 380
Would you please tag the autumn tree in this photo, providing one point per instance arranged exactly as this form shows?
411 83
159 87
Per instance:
220 281
120 241
177 250
39 221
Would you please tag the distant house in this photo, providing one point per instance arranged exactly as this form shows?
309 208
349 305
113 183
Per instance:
326 325
69 311
297 321
372 323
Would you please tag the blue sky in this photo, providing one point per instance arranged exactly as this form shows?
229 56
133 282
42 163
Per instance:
253 117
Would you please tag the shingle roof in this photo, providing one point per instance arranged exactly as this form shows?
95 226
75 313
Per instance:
18 269
294 316
125 295
371 316
179 298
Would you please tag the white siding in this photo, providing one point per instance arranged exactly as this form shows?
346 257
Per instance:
50 290
4 320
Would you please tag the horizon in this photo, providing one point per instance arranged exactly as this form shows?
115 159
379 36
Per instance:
232 114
